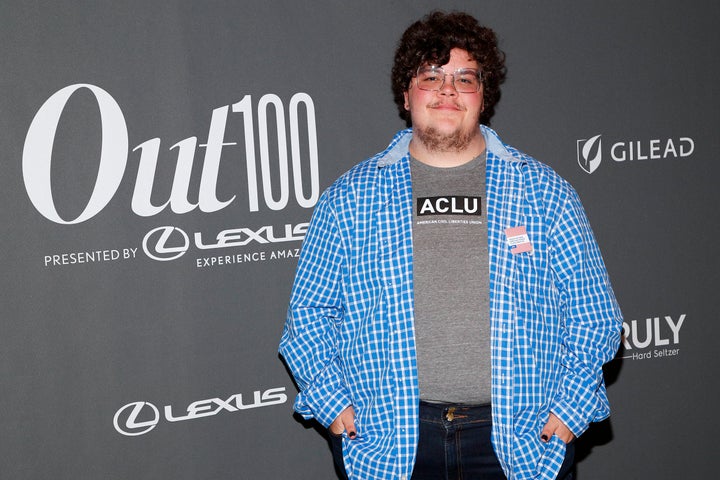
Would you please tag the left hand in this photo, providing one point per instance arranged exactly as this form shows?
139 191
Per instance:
555 426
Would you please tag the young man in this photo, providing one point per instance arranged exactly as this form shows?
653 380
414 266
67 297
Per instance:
451 311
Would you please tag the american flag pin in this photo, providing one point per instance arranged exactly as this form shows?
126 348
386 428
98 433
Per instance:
518 240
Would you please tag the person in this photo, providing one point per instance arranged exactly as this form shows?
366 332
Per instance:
451 310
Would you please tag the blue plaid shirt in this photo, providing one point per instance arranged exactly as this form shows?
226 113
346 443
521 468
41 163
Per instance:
349 335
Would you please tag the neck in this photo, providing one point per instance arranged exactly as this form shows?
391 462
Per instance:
444 156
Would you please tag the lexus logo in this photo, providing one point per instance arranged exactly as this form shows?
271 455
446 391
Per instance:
157 244
136 418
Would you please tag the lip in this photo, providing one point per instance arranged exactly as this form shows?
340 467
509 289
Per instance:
446 106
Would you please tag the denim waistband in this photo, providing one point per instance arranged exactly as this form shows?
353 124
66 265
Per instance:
455 413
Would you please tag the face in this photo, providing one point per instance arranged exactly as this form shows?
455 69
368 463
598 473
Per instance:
445 120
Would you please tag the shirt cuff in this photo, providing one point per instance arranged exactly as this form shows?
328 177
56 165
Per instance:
322 404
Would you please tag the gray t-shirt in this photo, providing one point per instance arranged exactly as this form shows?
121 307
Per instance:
451 277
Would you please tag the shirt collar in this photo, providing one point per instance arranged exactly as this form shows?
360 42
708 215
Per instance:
399 147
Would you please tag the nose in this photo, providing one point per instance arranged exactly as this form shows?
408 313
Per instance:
448 85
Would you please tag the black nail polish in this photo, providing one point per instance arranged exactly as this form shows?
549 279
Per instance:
544 438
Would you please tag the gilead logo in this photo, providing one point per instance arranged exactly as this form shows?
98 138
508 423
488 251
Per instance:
590 151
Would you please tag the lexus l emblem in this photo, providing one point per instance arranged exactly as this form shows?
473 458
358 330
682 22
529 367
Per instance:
136 418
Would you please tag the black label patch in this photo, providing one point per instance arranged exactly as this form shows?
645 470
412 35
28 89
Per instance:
449 205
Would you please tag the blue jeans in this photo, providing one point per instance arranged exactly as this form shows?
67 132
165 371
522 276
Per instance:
337 453
455 444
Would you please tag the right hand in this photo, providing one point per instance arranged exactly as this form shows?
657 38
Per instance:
345 422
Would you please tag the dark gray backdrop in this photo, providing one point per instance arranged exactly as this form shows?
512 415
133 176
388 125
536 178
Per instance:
85 343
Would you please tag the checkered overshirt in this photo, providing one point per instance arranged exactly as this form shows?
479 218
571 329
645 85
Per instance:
349 335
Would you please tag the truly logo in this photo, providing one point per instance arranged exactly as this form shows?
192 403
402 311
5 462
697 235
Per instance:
653 337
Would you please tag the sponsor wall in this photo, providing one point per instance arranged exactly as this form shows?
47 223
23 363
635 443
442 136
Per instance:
160 162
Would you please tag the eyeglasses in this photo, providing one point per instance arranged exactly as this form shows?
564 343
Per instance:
465 80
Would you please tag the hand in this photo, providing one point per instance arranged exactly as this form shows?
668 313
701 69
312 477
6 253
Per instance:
345 422
555 426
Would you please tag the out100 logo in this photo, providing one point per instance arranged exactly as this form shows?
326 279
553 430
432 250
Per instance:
37 156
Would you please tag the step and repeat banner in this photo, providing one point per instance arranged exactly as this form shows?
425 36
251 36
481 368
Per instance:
160 163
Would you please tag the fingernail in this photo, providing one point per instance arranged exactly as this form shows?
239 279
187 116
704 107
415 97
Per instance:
352 434
544 438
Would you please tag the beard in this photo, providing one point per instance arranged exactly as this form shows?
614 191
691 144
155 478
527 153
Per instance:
434 141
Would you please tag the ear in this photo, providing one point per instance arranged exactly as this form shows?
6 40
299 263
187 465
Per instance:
407 100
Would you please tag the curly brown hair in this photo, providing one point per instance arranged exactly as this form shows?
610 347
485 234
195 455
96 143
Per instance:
430 39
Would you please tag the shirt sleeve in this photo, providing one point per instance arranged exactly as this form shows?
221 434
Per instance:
592 319
315 314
